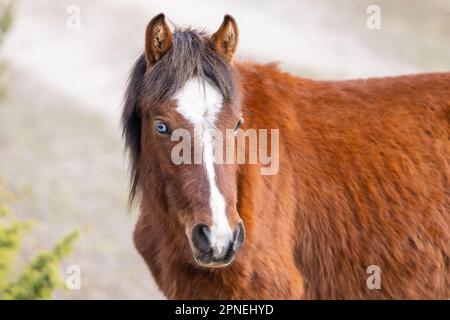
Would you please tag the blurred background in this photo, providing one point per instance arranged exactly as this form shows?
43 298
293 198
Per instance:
62 82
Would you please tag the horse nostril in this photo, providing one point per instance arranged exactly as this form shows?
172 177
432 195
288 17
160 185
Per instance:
238 237
200 238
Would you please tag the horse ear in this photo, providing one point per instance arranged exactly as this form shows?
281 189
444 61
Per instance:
226 38
158 39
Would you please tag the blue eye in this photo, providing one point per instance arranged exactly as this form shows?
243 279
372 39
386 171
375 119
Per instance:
161 127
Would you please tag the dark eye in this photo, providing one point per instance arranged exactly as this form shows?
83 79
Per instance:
239 123
161 127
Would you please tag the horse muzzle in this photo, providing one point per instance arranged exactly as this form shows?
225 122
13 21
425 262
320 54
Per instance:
210 253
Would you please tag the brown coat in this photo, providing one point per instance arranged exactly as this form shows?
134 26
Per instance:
364 180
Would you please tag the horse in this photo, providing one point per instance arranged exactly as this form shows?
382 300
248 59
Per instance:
359 207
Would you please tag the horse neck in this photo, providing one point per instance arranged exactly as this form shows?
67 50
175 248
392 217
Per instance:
267 203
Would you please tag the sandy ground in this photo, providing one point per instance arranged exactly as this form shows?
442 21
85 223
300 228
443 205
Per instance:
59 132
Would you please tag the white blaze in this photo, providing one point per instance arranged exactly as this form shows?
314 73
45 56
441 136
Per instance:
200 103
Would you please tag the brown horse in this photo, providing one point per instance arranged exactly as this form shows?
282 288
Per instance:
362 193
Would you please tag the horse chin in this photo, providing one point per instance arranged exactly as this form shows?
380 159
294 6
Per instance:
207 262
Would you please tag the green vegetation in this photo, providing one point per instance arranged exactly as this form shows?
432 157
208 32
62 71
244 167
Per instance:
5 18
41 275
